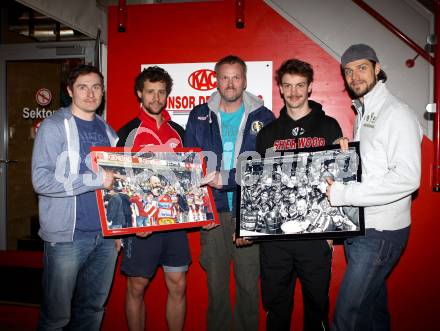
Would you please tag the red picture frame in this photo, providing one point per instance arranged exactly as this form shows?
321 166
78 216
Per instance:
155 189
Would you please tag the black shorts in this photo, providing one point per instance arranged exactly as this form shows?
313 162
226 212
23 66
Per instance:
142 256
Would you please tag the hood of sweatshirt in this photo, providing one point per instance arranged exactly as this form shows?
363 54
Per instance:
250 101
317 111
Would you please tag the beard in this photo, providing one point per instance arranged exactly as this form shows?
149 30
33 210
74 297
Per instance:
154 110
230 97
360 92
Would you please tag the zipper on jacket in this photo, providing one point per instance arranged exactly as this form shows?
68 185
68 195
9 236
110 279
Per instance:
74 216
66 124
359 121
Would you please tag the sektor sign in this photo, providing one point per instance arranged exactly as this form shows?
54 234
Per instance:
43 97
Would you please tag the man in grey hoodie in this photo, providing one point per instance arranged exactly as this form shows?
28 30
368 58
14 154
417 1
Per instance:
78 262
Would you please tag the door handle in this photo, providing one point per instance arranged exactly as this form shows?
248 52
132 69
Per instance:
8 161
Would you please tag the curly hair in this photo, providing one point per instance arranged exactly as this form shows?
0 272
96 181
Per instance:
153 74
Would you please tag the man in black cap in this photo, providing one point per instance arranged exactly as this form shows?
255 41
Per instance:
390 138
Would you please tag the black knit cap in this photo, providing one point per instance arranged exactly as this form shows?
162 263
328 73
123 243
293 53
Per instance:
358 52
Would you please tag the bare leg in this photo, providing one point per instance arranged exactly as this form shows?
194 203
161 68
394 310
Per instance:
176 304
134 303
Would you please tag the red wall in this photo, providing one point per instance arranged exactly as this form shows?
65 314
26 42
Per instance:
194 32
205 32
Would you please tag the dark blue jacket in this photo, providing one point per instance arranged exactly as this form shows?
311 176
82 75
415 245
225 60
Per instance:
203 131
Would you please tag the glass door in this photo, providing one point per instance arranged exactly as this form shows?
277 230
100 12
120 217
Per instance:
32 89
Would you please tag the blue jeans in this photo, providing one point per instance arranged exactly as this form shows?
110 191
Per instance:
77 278
362 300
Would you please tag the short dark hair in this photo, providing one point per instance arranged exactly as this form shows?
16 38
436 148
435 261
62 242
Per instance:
381 75
153 74
294 67
230 59
80 70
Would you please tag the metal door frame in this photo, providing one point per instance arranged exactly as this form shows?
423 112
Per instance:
21 52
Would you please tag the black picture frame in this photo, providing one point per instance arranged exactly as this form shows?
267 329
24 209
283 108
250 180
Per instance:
283 196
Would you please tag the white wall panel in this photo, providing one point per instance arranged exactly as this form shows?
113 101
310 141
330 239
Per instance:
336 24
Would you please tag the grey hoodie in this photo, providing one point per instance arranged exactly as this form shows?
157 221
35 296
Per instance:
250 102
55 174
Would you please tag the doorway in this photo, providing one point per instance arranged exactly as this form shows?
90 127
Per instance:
32 89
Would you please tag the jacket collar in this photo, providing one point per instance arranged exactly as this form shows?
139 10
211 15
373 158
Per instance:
150 121
250 101
373 100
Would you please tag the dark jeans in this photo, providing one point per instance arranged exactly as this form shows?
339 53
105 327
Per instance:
282 262
76 281
217 254
362 300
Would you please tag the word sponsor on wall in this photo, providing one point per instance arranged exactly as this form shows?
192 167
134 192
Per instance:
193 84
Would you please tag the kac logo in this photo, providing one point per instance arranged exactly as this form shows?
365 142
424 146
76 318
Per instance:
202 80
